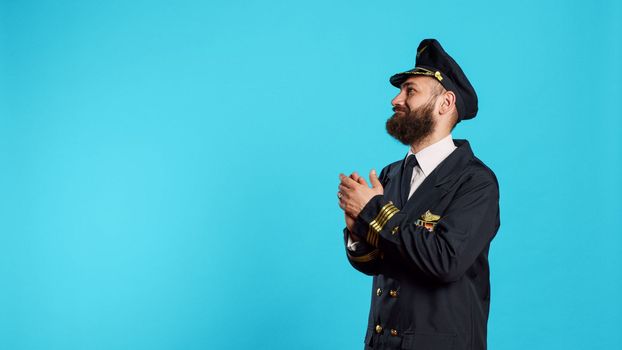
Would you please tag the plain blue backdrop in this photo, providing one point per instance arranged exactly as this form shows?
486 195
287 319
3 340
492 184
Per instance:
169 169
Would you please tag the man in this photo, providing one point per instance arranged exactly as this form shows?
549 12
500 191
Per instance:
424 228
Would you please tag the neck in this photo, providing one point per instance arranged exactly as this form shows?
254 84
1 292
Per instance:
429 140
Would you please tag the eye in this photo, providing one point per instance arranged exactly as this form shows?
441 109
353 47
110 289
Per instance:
410 91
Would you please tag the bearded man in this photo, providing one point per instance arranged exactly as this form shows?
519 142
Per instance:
423 229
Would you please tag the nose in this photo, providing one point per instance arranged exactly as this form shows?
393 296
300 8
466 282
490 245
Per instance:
398 100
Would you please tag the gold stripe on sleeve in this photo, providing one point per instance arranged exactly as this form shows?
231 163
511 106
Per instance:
364 258
375 226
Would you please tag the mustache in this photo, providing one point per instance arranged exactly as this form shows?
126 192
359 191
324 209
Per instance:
400 108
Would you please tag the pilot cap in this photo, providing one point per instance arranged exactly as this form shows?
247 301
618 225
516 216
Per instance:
432 60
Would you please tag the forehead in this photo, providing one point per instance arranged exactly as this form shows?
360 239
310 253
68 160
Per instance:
419 81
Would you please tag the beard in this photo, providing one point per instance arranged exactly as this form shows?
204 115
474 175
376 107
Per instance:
411 126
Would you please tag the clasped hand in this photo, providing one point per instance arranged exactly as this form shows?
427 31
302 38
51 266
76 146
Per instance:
354 193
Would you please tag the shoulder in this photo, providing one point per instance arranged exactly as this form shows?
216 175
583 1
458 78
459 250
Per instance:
476 175
481 171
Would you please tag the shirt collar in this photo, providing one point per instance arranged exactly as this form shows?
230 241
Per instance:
430 157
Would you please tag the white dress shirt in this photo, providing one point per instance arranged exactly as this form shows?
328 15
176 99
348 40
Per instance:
428 159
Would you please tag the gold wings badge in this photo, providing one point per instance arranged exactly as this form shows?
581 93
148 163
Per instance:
428 220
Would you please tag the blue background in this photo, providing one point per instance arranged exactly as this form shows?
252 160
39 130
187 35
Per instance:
170 169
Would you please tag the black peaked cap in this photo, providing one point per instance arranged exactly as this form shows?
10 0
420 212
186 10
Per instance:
432 60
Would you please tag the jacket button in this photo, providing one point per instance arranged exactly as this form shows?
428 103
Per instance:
378 329
394 332
378 292
393 293
394 230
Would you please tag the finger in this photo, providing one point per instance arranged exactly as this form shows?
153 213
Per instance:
348 182
341 205
373 178
345 181
345 192
362 181
356 177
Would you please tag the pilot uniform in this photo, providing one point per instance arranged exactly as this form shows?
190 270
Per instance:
426 245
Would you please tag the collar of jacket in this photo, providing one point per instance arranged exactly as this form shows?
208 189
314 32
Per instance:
453 165
450 167
438 182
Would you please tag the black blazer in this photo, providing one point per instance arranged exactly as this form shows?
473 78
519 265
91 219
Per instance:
429 256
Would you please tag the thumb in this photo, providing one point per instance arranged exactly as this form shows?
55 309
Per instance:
373 178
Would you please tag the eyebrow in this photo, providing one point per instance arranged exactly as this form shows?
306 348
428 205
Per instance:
410 84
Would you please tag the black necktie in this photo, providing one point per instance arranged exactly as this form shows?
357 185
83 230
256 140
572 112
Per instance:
407 174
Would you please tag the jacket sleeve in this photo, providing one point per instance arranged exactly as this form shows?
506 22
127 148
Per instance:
465 229
365 258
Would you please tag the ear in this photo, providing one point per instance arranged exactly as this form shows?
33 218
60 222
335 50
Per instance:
448 102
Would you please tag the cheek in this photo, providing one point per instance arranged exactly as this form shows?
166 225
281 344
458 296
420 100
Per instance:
414 103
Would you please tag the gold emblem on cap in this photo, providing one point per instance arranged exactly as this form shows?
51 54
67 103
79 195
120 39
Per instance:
428 216
424 71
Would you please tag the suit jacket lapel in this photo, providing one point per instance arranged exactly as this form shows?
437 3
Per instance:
436 185
392 185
